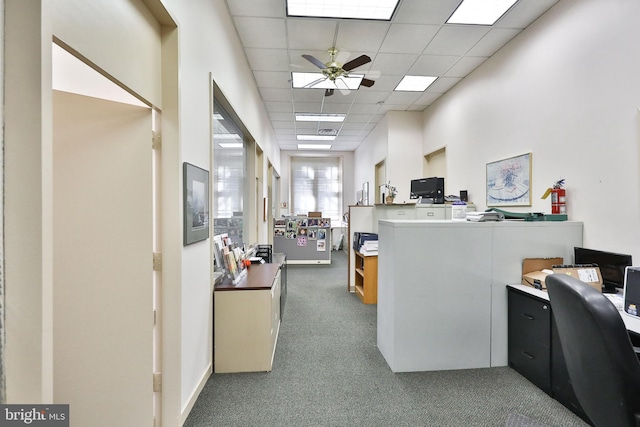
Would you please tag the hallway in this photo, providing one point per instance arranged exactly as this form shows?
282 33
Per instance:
328 371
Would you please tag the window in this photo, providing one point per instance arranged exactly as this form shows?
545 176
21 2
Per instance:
316 186
229 170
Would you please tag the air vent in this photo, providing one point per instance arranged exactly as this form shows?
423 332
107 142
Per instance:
330 132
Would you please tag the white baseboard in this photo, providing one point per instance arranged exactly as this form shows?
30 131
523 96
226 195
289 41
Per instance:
192 400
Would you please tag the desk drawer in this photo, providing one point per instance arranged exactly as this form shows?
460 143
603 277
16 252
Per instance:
531 358
531 316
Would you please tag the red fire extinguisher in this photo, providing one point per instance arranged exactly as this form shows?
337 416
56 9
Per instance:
558 198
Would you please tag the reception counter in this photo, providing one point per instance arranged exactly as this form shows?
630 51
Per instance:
442 300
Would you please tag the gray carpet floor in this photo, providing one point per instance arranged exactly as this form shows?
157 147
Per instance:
328 371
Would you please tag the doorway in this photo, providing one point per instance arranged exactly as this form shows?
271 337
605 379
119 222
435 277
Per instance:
106 182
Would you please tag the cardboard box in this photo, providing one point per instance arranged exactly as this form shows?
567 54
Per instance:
588 273
532 274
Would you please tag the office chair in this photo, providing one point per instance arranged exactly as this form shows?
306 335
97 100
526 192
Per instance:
601 361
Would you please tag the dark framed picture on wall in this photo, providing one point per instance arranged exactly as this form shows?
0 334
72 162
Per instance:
196 203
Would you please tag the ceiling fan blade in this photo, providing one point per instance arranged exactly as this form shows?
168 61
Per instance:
342 86
315 61
313 83
360 60
328 92
367 82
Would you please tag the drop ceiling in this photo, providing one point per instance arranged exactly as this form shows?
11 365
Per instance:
415 42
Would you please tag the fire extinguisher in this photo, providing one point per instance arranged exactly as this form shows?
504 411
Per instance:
558 198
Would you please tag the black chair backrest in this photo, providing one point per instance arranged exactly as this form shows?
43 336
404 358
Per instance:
600 358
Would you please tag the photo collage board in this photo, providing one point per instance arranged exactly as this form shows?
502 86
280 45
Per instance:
306 231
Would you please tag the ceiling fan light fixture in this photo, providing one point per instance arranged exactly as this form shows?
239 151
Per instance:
480 12
382 10
415 83
321 117
314 146
315 137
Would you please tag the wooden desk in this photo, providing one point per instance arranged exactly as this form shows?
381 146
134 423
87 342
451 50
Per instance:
247 320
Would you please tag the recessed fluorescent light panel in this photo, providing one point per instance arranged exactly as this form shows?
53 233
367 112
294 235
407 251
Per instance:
314 146
319 81
415 83
480 12
316 137
322 117
380 10
231 144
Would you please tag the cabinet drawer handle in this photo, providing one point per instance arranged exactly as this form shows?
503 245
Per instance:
528 316
528 355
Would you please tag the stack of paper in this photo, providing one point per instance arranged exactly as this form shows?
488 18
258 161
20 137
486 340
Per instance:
485 216
369 247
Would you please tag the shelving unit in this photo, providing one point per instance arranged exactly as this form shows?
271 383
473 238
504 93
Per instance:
366 278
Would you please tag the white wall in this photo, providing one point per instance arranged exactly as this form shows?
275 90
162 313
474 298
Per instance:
567 90
397 140
404 158
371 152
208 43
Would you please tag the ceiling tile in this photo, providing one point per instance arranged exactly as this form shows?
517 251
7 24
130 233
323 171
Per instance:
264 8
280 116
427 99
408 38
279 107
371 97
403 98
493 41
361 36
273 79
465 65
443 84
309 34
308 95
270 94
433 65
393 63
261 32
268 59
456 39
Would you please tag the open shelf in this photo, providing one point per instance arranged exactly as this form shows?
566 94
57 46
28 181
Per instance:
366 278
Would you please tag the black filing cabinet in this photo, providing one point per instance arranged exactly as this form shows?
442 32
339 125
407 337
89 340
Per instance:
530 338
535 350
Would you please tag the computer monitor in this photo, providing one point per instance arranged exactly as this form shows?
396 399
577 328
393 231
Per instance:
632 291
432 188
612 266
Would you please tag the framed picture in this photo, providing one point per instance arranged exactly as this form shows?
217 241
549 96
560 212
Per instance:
195 190
509 181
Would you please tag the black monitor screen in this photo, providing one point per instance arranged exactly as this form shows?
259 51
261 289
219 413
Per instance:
428 187
632 291
612 265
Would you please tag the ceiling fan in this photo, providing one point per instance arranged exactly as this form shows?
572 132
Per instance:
335 72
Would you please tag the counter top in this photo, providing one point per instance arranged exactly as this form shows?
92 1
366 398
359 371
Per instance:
259 276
